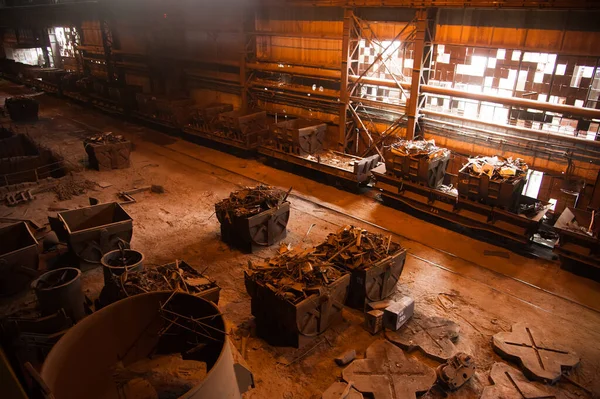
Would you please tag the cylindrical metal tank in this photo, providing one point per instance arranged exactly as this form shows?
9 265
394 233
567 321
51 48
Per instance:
61 289
134 261
81 364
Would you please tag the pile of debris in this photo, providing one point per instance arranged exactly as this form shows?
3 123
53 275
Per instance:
419 148
497 168
177 276
106 138
356 248
294 275
250 201
68 188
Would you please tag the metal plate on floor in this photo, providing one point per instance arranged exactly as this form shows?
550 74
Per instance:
434 336
538 355
386 372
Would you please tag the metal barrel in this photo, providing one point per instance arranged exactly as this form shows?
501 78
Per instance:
61 289
134 260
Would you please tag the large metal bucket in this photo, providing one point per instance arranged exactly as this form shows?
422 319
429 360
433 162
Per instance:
81 364
61 289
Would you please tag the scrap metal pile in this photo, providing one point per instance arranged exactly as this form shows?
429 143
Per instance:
497 168
419 148
295 275
177 276
106 138
250 201
355 248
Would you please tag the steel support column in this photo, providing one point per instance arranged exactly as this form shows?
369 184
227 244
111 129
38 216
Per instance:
421 40
248 55
344 97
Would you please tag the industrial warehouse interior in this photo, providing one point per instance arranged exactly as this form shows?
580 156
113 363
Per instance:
334 199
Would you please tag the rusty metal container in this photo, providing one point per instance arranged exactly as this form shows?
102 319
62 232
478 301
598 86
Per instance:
19 258
283 323
93 231
247 128
299 136
134 262
22 109
263 229
108 156
504 194
82 363
376 282
419 169
207 118
61 289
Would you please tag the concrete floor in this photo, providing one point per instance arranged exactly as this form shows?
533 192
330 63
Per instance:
446 273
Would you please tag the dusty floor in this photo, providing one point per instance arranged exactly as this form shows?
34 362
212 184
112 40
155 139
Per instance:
446 273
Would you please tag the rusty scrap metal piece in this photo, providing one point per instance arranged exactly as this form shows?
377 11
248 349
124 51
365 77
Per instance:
434 336
355 248
456 371
21 197
509 382
538 355
497 168
346 357
375 261
341 390
386 372
249 201
176 276
294 275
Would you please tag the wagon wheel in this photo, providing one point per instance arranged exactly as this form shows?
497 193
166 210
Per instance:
381 285
305 143
309 324
270 231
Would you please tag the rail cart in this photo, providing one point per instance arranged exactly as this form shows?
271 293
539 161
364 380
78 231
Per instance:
242 129
299 136
206 119
420 169
502 193
281 322
93 231
377 281
449 206
335 168
263 229
108 155
18 258
576 246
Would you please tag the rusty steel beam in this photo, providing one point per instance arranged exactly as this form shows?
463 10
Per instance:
412 111
513 101
510 4
344 98
294 69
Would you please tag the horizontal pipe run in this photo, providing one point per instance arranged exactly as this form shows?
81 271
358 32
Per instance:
537 133
513 101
